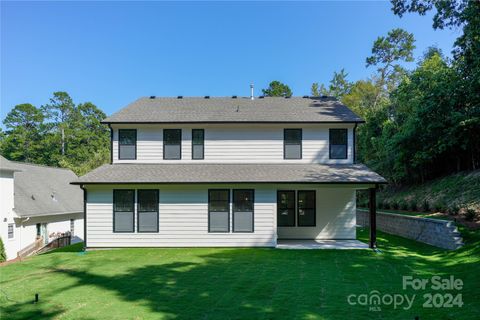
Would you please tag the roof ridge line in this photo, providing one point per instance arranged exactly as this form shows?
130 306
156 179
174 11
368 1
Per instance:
38 165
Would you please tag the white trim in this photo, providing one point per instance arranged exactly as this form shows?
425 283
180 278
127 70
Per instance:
46 214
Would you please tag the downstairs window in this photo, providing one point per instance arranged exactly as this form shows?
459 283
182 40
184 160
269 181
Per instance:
147 210
123 210
243 210
218 210
306 208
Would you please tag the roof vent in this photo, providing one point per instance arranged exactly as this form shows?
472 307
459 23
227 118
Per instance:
207 97
180 97
234 97
287 97
152 97
261 97
306 97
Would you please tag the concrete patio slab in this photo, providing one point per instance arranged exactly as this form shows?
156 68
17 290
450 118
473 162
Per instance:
321 244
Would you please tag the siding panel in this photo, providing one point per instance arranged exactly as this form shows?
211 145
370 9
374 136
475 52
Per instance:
183 218
183 221
246 143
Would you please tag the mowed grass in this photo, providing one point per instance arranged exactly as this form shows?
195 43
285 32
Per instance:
238 283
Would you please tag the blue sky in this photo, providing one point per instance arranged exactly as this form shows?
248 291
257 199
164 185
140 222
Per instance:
111 53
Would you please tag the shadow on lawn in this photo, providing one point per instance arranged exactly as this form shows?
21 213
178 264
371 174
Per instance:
256 283
224 283
28 310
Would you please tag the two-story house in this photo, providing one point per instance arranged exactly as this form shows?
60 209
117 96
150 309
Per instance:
226 172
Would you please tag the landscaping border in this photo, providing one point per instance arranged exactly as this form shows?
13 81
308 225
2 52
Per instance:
439 233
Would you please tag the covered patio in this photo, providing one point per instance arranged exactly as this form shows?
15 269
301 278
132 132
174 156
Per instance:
321 244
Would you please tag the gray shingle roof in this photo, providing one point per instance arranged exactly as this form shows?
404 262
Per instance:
41 190
217 110
230 173
6 165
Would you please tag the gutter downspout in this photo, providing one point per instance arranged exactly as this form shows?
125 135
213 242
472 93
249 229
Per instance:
21 228
355 143
111 143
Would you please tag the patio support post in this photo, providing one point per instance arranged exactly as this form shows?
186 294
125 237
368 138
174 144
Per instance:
373 218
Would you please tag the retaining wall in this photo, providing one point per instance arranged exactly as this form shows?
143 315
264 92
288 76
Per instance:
439 233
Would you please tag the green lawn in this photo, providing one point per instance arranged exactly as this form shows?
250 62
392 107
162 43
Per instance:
236 283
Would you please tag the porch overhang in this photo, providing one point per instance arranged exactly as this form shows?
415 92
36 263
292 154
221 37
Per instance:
210 173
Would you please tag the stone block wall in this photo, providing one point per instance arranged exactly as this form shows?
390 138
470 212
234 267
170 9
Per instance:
439 233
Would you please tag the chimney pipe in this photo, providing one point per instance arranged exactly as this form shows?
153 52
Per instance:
251 92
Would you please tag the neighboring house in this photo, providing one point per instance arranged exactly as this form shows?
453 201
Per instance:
226 172
37 201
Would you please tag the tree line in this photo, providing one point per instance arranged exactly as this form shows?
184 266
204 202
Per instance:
420 123
59 133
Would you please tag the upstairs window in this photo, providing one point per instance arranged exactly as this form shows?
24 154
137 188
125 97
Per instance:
123 210
218 210
338 143
292 144
147 210
127 140
243 210
198 140
172 144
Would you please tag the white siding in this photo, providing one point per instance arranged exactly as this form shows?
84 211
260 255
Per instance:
183 218
236 143
55 224
7 215
335 217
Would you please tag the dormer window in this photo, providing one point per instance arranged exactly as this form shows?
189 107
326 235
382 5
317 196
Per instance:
338 143
172 144
292 144
127 144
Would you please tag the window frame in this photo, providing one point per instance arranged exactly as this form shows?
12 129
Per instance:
13 231
157 192
202 144
72 226
330 143
285 143
164 144
233 210
133 212
119 145
297 205
294 208
229 209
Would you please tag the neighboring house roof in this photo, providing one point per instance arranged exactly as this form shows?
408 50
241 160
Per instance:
6 165
230 110
41 190
230 173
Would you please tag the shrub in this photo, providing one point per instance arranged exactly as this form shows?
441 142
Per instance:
412 205
395 205
425 206
386 204
470 214
3 255
453 210
362 203
439 206
403 205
